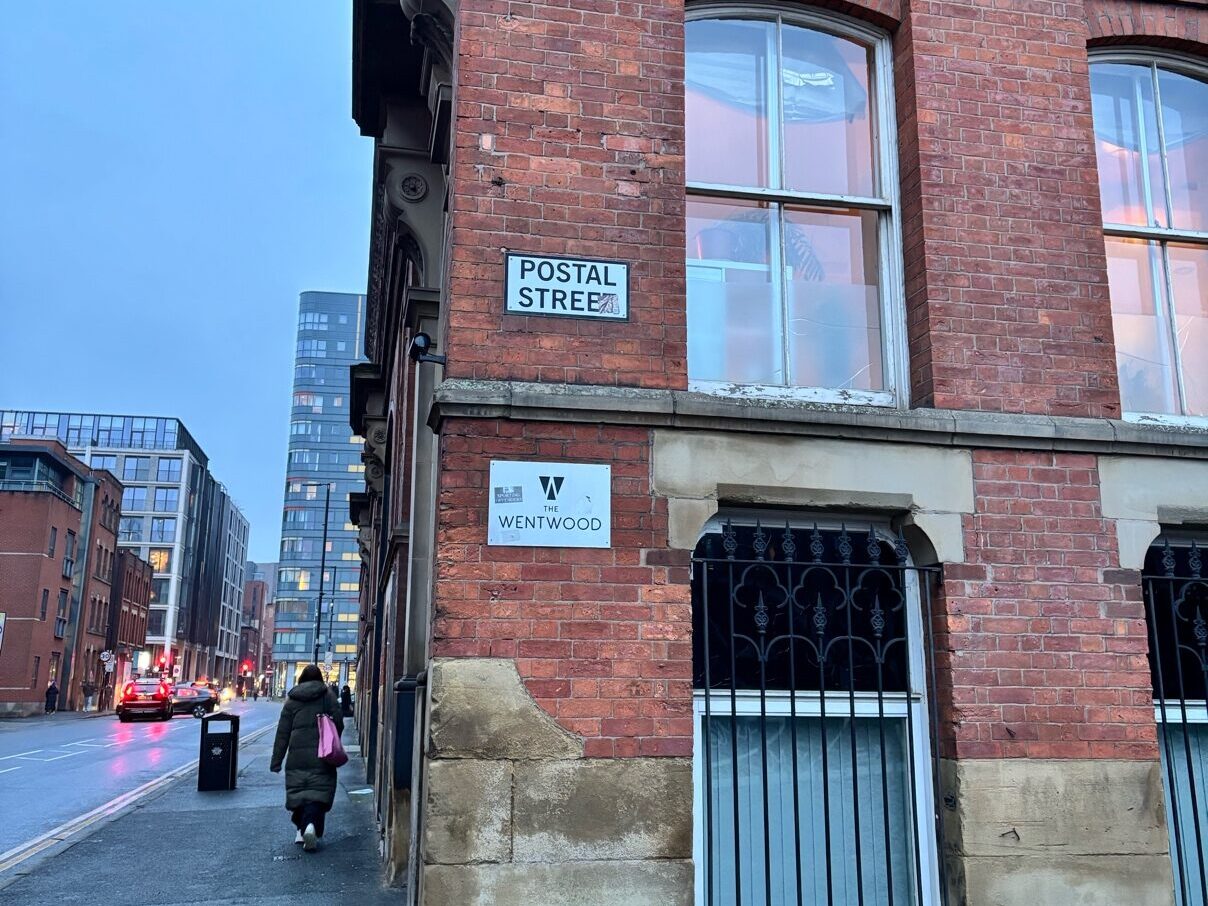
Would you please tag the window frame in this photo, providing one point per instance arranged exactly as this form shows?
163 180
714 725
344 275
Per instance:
807 704
891 285
1155 58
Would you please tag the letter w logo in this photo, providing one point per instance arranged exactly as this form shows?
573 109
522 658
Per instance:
552 485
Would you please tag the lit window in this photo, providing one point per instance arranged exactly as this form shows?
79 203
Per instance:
346 649
1151 141
350 586
792 239
160 559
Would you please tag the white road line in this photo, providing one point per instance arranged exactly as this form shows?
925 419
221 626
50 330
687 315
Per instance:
6 770
23 851
20 754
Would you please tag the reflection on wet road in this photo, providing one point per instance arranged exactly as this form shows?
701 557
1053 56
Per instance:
52 770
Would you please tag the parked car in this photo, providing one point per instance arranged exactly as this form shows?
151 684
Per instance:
194 698
145 697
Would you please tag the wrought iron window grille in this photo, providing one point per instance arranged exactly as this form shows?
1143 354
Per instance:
816 765
1176 615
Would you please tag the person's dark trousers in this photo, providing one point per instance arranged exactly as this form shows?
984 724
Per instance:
310 813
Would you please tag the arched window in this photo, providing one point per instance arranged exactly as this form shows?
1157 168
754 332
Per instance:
793 245
1151 142
1176 614
813 749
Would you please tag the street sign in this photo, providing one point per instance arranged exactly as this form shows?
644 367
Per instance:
109 665
566 287
106 657
3 619
177 671
549 504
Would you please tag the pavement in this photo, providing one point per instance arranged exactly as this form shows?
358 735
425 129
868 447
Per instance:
175 845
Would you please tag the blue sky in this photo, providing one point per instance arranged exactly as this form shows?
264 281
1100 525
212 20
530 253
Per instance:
172 175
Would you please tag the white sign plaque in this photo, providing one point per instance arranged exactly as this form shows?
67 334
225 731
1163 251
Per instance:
567 287
549 504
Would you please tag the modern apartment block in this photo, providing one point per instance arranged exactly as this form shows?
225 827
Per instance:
323 454
58 550
786 429
174 515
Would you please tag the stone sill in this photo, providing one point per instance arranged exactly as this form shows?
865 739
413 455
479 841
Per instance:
630 406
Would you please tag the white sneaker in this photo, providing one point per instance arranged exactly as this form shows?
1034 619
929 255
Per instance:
298 838
310 840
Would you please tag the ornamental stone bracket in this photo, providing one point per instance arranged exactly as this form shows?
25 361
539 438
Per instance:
375 453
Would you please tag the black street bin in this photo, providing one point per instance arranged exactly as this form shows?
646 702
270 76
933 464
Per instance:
219 760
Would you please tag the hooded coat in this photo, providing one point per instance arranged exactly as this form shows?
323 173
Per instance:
307 777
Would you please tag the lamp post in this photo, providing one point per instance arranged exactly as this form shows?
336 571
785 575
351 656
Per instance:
322 571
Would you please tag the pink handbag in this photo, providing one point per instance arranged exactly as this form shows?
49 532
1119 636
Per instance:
331 749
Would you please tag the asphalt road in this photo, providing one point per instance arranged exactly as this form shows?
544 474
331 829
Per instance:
54 769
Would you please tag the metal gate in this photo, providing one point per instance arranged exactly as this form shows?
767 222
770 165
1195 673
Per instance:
1176 605
815 765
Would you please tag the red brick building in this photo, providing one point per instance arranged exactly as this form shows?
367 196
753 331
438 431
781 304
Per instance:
256 632
785 437
127 632
58 531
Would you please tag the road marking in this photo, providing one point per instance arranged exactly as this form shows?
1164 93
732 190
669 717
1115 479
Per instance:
68 829
6 770
20 754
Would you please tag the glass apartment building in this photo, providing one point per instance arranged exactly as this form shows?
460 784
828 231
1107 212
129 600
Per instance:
174 515
323 453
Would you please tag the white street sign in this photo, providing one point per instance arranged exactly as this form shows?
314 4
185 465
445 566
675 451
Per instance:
3 620
106 657
549 504
109 665
567 287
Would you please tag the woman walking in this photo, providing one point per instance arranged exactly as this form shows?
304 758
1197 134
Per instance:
310 782
346 700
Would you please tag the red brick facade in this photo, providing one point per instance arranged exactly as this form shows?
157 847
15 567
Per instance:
602 637
568 138
1045 634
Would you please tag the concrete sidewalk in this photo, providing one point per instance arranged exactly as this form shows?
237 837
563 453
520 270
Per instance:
216 849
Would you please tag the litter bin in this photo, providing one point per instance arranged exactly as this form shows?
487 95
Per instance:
218 763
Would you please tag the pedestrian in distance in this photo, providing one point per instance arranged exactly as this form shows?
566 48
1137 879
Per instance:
346 700
52 697
310 782
89 690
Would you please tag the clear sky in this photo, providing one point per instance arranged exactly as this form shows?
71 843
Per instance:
172 175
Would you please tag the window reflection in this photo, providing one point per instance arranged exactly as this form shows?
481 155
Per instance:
1144 354
830 270
734 322
827 114
1151 142
1189 285
726 99
781 292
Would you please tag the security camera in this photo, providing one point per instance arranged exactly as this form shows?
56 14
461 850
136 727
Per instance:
421 343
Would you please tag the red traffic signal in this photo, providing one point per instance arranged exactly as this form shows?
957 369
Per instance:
163 660
247 666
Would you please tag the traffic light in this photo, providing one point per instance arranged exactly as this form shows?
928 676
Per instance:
163 661
247 667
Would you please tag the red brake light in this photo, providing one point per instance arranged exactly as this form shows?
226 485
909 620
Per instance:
164 691
128 691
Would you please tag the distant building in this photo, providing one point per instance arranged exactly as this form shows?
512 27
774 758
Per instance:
128 607
323 452
174 515
58 544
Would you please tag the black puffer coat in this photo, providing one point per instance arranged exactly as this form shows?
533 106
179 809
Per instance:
307 777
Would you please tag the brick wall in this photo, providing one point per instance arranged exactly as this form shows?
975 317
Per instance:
1183 27
568 139
1044 634
25 521
601 637
1006 279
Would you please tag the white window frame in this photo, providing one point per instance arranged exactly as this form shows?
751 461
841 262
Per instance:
838 704
1189 66
891 280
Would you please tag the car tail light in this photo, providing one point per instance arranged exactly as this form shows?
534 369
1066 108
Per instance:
128 692
163 692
